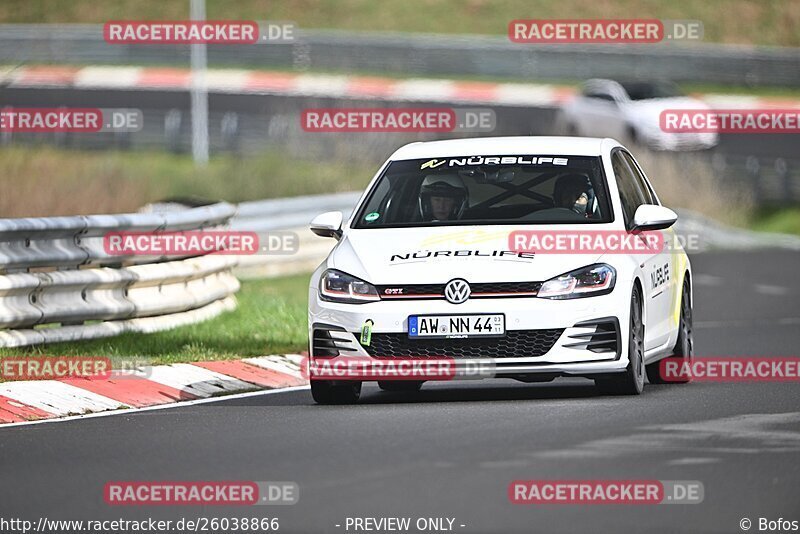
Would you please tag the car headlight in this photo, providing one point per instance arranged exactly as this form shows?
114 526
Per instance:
336 286
584 282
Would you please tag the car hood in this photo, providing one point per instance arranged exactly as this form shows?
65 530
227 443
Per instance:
420 255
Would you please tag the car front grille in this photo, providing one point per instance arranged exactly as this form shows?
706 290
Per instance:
515 344
478 290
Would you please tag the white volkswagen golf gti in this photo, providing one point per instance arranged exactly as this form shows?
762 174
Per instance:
466 250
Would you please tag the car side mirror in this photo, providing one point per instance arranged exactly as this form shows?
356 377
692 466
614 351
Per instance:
328 224
652 217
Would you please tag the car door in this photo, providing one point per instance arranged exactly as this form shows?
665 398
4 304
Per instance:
654 264
667 278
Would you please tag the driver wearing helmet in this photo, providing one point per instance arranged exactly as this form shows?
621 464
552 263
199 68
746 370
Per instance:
442 197
574 192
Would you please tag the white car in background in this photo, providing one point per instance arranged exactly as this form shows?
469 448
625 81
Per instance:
631 111
424 263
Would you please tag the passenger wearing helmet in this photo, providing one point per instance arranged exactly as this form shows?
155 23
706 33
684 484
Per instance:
442 197
574 192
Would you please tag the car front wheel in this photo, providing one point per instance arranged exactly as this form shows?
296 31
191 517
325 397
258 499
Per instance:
631 382
400 385
684 348
327 392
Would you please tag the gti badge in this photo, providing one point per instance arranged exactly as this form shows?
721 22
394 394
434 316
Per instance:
456 291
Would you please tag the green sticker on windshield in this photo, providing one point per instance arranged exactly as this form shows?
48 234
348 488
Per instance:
369 217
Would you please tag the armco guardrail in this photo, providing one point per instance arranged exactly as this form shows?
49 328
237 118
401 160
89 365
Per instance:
68 242
93 294
281 213
290 215
422 54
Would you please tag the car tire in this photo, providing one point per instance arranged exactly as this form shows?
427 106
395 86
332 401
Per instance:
630 382
684 347
326 392
400 385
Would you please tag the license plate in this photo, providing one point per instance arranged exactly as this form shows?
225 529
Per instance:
457 326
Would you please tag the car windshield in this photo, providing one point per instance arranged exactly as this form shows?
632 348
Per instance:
648 90
488 190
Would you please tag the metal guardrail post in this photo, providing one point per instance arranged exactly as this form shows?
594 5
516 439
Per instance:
753 168
229 129
172 130
784 176
719 164
5 134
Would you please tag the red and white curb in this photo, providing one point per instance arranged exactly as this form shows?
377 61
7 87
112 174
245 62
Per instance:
240 81
35 400
284 83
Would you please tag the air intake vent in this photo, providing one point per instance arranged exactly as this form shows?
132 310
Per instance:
605 337
515 344
328 341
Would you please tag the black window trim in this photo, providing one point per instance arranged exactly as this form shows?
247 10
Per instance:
644 177
646 181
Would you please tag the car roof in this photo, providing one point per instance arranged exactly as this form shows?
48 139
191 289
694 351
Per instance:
505 146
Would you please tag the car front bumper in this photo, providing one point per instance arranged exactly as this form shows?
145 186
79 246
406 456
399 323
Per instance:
543 336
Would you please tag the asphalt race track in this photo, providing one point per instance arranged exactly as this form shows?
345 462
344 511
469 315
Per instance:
452 450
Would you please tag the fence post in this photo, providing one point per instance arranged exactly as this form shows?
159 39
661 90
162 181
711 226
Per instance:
172 130
782 170
60 139
753 168
230 131
5 134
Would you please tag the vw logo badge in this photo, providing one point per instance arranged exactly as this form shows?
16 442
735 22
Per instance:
456 291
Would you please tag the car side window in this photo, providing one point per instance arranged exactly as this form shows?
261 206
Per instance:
641 181
629 192
599 95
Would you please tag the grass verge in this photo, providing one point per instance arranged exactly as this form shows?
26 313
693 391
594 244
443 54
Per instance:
780 220
270 319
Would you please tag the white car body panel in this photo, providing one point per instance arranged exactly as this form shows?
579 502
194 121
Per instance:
367 254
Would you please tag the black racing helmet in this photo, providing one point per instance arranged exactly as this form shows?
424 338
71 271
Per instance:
443 185
568 190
